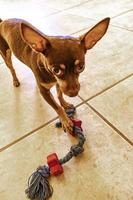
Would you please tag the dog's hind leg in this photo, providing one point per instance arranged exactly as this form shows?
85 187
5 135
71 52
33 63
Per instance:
9 64
6 55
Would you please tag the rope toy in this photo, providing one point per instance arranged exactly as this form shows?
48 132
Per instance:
38 185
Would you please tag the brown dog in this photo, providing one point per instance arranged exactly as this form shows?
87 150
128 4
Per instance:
53 60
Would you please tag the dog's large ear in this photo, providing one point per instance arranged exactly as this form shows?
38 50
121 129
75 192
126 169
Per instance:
34 38
90 38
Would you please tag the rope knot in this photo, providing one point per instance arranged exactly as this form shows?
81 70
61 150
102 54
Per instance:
38 185
76 150
44 171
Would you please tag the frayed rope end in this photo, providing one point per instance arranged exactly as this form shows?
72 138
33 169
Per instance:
38 184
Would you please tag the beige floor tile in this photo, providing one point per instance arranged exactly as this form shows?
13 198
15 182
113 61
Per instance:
99 9
63 24
124 21
39 13
58 24
29 10
21 109
116 105
108 62
60 4
104 171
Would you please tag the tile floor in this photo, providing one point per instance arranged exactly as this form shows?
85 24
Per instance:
105 105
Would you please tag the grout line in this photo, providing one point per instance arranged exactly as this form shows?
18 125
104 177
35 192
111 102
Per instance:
89 18
111 24
85 28
53 13
107 122
76 5
62 10
33 131
124 12
110 124
26 135
117 26
104 90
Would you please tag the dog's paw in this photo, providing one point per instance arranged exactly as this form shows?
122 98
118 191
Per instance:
66 122
67 105
67 125
16 83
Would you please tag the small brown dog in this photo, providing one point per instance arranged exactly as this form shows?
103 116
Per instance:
53 60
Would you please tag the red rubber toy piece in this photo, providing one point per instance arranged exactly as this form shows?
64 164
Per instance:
78 123
54 165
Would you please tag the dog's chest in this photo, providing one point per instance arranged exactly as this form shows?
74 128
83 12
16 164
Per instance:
47 85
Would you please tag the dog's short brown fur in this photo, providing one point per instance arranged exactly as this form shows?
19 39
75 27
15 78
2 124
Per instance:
53 60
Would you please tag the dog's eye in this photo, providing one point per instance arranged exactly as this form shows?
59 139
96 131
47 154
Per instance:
80 68
57 71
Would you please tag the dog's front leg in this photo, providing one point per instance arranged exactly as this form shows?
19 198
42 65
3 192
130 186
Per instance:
66 122
62 101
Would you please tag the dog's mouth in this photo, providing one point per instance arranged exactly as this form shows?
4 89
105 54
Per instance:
70 90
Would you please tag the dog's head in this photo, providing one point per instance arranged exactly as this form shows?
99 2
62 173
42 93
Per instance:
64 57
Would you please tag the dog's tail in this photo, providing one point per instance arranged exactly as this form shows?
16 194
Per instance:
1 20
